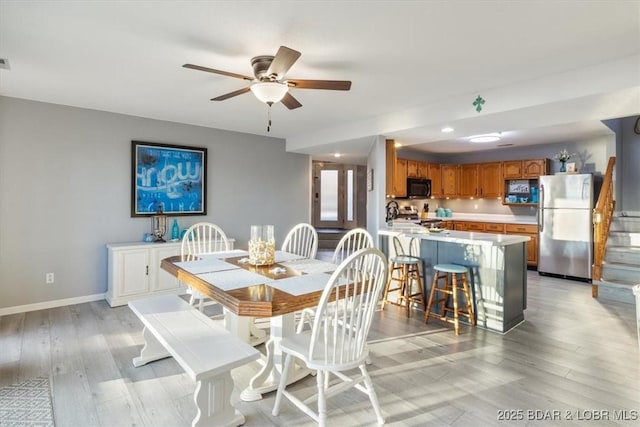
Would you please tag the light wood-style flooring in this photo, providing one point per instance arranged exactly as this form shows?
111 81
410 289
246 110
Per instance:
573 354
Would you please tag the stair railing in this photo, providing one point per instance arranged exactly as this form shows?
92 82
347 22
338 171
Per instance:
602 215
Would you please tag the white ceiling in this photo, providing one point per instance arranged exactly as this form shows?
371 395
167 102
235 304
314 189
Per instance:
548 70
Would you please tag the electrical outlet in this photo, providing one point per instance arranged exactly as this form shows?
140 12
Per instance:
48 278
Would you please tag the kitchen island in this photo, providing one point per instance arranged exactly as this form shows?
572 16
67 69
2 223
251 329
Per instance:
497 266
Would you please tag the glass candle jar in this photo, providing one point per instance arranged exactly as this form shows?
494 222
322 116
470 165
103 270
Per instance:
262 245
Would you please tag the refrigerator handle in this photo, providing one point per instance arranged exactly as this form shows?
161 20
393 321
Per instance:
541 210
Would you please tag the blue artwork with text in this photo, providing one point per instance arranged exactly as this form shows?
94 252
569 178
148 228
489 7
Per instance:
169 178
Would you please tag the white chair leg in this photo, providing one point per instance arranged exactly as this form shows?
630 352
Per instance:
372 393
192 299
283 383
322 401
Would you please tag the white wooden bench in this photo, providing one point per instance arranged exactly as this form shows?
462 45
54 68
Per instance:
206 351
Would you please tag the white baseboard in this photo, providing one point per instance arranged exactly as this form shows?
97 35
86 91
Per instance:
50 304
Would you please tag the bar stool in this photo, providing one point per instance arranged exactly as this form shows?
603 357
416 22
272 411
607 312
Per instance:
408 267
449 273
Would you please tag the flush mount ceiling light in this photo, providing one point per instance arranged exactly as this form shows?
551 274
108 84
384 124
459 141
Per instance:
491 137
447 129
269 92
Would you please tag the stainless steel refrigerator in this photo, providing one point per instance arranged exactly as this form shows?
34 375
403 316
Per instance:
565 214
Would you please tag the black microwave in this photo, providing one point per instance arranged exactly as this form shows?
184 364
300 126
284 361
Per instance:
418 188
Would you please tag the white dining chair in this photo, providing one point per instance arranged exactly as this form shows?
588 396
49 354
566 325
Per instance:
353 241
337 341
301 240
202 238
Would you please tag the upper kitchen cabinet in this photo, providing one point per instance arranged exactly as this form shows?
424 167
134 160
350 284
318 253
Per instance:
490 179
396 179
516 169
468 180
434 174
400 178
449 175
521 181
423 170
417 169
481 180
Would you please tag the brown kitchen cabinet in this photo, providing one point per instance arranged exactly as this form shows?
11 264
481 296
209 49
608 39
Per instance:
434 174
534 168
531 231
485 227
460 225
482 180
423 170
518 169
468 180
412 168
494 227
528 171
396 179
417 169
490 179
449 225
400 178
449 175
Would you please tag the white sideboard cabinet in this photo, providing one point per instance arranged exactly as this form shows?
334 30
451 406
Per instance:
134 271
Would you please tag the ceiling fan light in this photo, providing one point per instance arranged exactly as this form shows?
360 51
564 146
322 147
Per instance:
269 92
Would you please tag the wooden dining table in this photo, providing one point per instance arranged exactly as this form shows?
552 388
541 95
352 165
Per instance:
246 291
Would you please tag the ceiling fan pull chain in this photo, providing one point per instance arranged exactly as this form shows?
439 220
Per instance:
269 104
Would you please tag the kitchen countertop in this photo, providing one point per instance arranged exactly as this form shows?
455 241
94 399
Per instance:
450 236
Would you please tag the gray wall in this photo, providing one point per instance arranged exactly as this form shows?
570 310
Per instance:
65 179
628 167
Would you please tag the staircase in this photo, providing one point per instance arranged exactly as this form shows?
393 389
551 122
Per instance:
621 266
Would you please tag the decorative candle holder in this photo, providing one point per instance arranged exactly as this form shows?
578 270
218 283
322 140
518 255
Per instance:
262 245
159 225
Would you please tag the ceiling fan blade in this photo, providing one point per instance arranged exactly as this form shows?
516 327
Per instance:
320 84
290 102
283 60
211 70
231 94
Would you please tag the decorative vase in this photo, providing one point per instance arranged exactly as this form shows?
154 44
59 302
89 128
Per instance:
262 246
563 165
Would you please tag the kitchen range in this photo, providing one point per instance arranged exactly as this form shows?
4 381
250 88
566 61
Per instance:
410 214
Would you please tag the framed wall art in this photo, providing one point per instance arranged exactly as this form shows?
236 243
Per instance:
168 177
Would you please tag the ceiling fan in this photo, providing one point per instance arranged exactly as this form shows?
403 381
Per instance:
269 84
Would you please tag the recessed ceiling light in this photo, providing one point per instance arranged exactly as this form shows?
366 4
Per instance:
447 129
491 137
337 155
397 145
